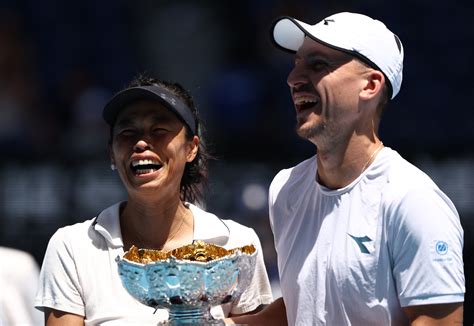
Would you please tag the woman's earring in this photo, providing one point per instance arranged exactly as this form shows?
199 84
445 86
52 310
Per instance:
113 167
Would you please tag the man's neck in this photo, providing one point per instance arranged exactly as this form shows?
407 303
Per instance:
339 167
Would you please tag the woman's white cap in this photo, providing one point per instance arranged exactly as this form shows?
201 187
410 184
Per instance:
357 34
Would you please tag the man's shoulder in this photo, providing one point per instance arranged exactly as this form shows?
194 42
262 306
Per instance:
296 172
405 181
404 176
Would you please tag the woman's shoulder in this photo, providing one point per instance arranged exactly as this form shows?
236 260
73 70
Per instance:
221 231
81 231
212 220
69 233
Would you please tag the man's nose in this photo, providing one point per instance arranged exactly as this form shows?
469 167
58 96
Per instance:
296 77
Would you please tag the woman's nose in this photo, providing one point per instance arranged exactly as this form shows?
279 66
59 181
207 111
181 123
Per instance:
142 145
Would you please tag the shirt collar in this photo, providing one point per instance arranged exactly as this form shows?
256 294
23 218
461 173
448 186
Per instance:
207 226
107 223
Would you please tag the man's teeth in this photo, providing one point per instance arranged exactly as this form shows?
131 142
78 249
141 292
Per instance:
304 100
144 162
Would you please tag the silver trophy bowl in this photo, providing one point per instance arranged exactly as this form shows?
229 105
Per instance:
189 280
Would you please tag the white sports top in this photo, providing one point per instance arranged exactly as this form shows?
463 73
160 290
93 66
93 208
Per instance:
356 255
79 273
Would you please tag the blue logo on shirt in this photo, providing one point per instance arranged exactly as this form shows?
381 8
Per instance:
441 247
360 242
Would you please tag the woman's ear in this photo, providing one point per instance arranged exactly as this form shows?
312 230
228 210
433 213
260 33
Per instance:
192 149
111 155
373 85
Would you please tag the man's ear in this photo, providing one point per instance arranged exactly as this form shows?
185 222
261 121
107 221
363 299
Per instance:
192 149
373 85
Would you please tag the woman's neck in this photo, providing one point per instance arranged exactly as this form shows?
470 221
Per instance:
157 225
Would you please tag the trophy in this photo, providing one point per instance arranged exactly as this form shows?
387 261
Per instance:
188 280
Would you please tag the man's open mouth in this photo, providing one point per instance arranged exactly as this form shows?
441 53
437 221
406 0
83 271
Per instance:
305 103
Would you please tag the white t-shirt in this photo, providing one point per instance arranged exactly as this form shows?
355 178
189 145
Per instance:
356 255
18 284
80 274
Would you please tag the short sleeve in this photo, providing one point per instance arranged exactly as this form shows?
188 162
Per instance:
259 291
426 240
59 287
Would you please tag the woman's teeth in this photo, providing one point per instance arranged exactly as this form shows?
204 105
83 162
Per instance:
145 166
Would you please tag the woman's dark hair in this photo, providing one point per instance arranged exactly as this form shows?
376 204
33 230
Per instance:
195 175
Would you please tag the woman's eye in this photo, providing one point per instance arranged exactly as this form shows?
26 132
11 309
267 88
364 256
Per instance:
127 132
159 130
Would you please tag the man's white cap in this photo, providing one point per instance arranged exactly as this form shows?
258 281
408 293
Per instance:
359 35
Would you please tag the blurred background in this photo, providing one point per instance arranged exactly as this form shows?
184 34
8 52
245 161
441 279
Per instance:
60 61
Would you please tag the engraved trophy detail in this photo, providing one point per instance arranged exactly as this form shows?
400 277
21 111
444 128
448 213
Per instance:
189 280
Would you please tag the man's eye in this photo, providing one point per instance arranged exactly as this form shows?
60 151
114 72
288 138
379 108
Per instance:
317 64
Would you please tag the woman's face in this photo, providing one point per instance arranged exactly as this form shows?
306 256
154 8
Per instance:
150 149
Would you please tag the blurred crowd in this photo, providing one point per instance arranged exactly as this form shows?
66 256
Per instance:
61 61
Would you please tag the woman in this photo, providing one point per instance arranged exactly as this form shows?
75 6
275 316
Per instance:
156 148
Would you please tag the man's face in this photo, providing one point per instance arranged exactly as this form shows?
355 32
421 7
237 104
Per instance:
150 149
325 85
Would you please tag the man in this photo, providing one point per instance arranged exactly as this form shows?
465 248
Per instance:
363 237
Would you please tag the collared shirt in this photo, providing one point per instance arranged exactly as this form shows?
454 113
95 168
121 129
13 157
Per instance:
79 273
